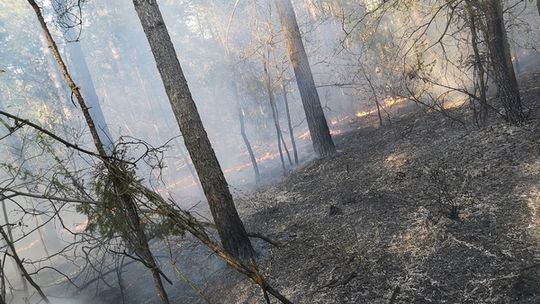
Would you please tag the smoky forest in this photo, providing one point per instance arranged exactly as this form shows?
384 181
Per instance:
269 151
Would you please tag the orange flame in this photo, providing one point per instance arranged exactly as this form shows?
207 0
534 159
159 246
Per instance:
387 103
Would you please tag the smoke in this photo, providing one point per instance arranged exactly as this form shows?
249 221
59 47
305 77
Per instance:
354 63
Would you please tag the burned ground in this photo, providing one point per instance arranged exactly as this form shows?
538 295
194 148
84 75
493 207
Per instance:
422 210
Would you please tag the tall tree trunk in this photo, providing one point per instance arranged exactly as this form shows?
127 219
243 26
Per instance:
272 50
229 226
88 89
501 59
252 157
318 127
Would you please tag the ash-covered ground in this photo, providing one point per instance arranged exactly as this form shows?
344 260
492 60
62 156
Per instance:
422 210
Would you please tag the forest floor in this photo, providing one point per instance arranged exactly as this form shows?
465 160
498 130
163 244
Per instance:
422 210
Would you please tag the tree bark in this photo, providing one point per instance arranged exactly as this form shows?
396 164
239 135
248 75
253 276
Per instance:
501 59
230 228
318 127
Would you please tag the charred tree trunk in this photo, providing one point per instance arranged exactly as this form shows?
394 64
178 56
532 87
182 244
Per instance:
318 127
283 140
501 59
230 228
2 281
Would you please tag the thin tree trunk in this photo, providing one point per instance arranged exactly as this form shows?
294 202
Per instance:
318 127
276 119
270 93
252 157
502 62
283 141
374 96
74 88
230 228
3 279
120 278
289 122
241 119
3 291
39 225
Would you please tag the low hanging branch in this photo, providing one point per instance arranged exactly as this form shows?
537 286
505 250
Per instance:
20 122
